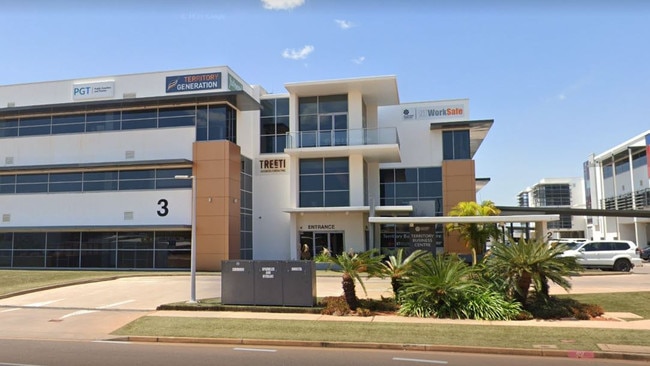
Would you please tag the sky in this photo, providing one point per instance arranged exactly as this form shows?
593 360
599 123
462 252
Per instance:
561 79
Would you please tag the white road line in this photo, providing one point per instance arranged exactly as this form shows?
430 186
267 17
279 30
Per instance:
419 360
78 312
39 304
8 310
15 364
114 305
255 349
113 342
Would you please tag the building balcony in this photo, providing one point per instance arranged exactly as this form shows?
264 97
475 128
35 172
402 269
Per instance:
375 144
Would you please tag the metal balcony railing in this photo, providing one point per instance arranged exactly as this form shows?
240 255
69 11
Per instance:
352 137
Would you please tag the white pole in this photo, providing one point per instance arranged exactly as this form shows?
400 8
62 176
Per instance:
193 245
193 239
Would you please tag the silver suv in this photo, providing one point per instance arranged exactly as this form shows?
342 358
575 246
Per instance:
618 255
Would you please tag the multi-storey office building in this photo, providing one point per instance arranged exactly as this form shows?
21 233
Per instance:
89 169
558 193
617 179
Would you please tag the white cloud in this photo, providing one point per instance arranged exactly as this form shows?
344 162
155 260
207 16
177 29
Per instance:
344 24
282 4
561 96
299 54
359 60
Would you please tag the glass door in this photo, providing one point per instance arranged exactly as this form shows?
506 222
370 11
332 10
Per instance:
320 240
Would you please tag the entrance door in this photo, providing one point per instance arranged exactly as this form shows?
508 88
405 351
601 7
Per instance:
330 240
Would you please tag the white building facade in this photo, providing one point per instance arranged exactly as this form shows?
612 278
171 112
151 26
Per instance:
617 179
558 193
89 168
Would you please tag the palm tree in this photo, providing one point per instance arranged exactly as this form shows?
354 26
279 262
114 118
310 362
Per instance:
530 262
352 266
475 234
397 266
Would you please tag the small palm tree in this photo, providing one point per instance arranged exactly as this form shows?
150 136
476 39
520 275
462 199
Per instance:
475 234
352 266
531 262
397 266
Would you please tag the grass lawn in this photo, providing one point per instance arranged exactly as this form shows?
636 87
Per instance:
401 333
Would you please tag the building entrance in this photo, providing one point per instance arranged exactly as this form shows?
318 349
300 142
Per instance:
320 240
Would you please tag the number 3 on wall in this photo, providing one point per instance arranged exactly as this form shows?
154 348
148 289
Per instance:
164 210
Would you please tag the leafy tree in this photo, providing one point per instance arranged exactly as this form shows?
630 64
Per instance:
530 262
475 234
352 265
398 265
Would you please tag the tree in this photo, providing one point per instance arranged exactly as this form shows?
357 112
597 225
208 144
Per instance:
530 262
352 266
397 266
475 234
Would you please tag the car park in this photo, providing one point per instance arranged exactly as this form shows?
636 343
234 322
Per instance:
617 255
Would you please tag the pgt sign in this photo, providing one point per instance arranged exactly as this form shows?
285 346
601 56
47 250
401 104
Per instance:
104 89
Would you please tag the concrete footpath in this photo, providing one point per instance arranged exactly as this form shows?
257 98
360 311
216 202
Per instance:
331 286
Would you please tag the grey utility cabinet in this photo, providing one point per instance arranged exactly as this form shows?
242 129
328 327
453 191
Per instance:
237 282
281 283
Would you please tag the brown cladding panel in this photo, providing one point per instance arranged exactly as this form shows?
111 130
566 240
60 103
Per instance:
217 166
459 185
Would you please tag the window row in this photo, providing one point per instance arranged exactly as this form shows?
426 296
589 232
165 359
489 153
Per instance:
123 250
116 180
213 122
274 124
405 186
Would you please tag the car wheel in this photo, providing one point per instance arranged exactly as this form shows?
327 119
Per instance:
622 265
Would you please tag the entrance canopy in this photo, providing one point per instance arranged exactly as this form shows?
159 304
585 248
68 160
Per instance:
463 219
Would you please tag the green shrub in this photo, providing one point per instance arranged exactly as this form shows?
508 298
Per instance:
557 308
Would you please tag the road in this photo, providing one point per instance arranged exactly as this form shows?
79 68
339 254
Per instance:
83 353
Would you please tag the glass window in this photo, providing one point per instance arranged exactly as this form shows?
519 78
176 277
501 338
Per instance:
64 240
29 241
332 104
324 182
455 145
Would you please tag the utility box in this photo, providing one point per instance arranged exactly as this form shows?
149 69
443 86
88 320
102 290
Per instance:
299 286
268 282
238 282
279 283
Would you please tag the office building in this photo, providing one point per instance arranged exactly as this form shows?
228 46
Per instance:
114 172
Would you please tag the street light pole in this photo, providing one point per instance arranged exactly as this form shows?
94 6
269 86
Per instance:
193 239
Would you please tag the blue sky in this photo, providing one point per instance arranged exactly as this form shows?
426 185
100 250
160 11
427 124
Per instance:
561 79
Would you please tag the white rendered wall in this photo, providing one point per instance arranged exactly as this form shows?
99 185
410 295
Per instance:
84 148
142 85
419 145
96 209
271 194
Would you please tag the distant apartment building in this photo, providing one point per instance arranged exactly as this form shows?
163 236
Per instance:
617 179
558 193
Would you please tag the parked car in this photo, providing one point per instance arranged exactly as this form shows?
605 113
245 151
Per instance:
645 253
618 255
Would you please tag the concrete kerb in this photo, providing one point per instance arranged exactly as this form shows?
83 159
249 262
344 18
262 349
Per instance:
394 346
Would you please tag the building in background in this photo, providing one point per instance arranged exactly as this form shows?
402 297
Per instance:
558 193
617 179
89 168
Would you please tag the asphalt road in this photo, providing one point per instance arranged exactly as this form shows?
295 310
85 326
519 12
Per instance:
82 353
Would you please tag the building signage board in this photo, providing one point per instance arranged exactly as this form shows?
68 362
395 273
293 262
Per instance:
234 84
435 112
423 237
272 165
97 90
193 82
